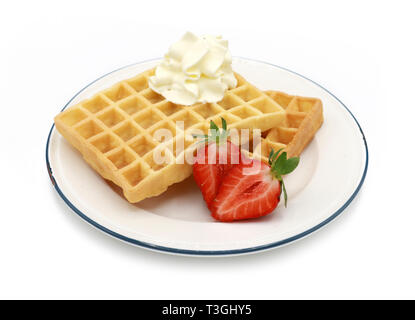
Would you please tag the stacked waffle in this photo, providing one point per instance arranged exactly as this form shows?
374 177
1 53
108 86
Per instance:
304 116
115 131
118 130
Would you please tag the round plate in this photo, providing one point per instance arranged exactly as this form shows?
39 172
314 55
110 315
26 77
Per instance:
331 172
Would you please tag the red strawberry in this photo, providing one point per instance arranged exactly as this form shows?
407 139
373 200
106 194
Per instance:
213 161
208 170
252 190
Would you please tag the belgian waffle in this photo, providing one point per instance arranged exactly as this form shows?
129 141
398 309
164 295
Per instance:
114 130
304 116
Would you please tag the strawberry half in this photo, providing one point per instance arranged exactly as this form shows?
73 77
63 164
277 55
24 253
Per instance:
252 190
208 172
214 160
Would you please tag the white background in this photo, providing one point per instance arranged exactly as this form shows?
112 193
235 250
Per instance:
362 51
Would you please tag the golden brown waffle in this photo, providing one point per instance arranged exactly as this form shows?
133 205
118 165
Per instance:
114 130
304 116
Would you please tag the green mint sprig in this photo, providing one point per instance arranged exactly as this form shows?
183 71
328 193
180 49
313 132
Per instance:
216 135
280 166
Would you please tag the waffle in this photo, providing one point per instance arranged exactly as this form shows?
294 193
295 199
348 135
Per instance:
114 129
304 116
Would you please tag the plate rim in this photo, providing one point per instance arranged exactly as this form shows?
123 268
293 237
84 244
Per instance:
191 252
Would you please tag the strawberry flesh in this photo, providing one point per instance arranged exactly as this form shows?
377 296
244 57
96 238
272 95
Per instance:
247 191
212 163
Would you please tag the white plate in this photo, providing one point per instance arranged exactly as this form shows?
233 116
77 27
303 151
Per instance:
331 172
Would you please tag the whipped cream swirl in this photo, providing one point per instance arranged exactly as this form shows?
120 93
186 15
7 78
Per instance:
195 69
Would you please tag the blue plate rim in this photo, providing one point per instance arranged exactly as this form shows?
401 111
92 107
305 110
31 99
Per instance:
209 252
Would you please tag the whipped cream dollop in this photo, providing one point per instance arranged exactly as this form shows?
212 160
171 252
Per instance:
195 69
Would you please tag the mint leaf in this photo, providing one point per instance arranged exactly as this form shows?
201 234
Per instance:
215 134
280 166
276 154
213 126
280 163
289 165
224 126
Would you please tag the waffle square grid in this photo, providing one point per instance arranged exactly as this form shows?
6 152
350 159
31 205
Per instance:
116 131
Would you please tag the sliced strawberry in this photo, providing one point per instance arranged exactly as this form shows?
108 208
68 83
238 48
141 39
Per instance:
245 196
212 163
252 190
